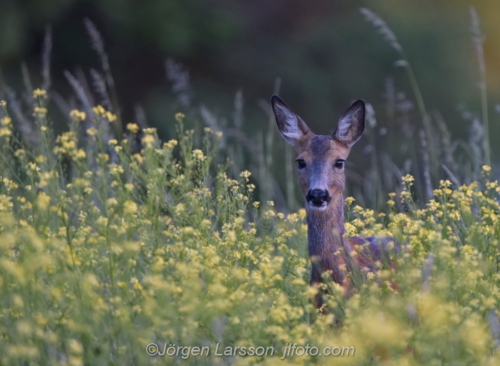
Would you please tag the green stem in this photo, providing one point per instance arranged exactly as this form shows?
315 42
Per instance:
484 112
425 117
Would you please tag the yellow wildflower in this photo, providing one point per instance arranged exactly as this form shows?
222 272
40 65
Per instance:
99 110
198 155
5 132
40 112
245 174
92 131
133 127
77 115
170 144
408 179
5 121
110 116
148 140
130 207
39 93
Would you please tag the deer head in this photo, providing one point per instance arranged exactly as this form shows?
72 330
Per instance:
321 158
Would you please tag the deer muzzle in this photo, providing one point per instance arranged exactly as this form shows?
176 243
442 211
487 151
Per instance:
318 199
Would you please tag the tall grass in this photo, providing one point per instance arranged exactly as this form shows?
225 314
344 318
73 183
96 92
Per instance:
101 258
403 137
113 242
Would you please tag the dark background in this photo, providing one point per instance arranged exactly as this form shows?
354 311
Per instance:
324 53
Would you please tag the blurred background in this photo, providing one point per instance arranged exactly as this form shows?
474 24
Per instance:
219 61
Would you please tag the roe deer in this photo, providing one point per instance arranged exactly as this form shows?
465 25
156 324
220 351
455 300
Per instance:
320 166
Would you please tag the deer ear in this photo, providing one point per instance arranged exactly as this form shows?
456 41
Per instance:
351 124
291 126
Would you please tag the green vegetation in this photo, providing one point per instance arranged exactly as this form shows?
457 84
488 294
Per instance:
430 120
114 243
104 250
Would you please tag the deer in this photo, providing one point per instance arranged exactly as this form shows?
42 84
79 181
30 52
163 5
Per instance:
321 172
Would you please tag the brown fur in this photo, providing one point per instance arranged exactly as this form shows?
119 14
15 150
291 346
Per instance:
329 247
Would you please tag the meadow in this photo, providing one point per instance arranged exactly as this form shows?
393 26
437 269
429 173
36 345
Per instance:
105 250
117 248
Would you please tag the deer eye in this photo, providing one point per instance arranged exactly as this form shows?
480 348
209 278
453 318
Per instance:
301 164
339 164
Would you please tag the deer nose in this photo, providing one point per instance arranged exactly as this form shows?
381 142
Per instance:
318 197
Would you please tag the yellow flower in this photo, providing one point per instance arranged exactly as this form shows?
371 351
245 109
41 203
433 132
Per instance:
112 202
33 166
170 144
198 155
40 112
77 115
43 201
129 207
351 229
115 169
92 131
39 93
6 121
148 140
245 174
135 282
133 127
111 117
408 179
5 132
10 184
99 110
138 158
80 154
179 208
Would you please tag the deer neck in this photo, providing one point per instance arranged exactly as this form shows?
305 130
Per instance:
326 231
